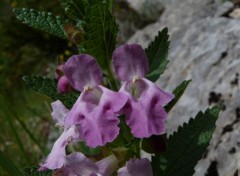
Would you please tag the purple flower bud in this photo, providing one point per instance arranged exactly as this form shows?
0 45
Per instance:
63 85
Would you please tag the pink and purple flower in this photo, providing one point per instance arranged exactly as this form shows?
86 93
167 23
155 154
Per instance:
96 110
144 110
57 156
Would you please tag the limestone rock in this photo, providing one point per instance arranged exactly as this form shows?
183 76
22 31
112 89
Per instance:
132 15
208 53
224 9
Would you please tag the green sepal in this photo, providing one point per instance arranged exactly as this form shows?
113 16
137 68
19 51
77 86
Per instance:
123 154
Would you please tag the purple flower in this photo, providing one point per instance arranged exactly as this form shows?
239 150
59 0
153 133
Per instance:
136 167
77 164
144 110
57 156
97 108
63 85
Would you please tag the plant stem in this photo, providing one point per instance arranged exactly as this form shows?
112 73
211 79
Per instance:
113 82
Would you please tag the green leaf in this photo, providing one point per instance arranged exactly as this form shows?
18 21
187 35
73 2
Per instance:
87 150
178 91
33 171
75 9
8 165
157 53
48 86
42 20
186 146
100 32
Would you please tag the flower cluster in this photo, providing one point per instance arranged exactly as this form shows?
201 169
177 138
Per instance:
94 118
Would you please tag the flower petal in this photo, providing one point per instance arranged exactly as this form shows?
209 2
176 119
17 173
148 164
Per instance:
96 112
82 70
56 158
78 164
115 100
145 107
59 112
164 97
85 104
136 167
107 165
130 61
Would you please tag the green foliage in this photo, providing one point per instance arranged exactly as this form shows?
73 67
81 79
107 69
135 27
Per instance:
186 146
157 53
100 32
178 91
19 142
87 150
75 9
48 87
8 165
42 20
24 51
33 171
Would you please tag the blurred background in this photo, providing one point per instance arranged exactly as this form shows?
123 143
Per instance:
25 115
205 47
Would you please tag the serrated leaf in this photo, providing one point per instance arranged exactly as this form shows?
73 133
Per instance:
100 32
186 146
157 53
75 9
178 91
48 86
33 171
42 20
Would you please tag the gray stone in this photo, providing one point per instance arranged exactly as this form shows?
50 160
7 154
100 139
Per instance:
132 15
148 11
176 15
224 8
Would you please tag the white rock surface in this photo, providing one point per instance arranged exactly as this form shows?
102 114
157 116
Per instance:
235 13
